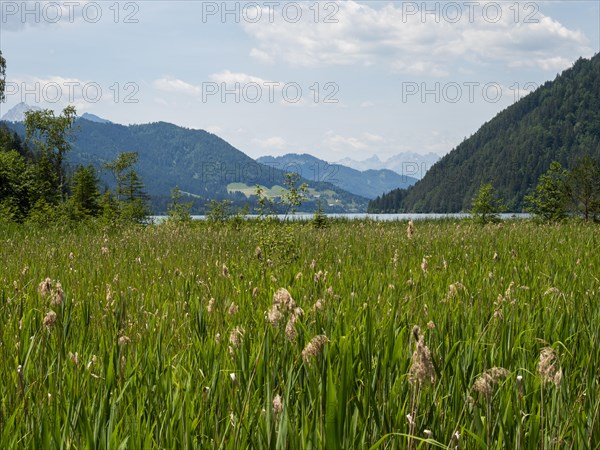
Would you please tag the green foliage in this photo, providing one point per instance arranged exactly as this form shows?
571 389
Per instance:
293 196
42 213
109 209
16 183
219 211
584 187
10 140
9 210
134 211
34 186
85 196
130 194
319 219
140 348
276 238
179 212
549 201
239 219
265 204
120 169
486 207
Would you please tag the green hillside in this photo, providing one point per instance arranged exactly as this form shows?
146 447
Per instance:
559 121
200 163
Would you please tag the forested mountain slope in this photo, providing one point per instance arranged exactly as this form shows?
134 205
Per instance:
558 121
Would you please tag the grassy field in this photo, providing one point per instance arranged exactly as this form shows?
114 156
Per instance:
181 337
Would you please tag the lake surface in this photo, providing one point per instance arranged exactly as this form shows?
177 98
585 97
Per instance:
377 217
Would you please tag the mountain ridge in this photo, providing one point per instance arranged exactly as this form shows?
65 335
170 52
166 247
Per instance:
558 121
410 164
368 183
17 112
196 161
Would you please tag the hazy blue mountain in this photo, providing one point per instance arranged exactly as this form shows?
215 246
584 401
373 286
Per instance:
17 112
410 164
559 121
368 183
94 118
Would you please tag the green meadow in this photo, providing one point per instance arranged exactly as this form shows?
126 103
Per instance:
284 336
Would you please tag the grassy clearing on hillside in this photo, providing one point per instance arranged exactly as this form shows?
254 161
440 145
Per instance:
168 337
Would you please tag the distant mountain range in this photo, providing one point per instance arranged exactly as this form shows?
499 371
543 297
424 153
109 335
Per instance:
94 118
410 164
559 121
368 183
201 164
17 112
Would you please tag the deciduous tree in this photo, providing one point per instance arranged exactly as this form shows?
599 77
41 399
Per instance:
50 136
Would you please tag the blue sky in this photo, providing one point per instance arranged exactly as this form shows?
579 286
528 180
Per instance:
335 79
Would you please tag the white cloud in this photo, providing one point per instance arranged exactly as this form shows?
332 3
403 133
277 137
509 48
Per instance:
231 78
261 56
418 44
274 142
373 137
176 86
339 143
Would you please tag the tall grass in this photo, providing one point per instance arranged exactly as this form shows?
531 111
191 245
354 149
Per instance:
162 338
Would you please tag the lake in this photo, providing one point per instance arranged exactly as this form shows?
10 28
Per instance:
376 217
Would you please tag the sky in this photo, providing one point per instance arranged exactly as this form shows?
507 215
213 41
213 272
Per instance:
335 79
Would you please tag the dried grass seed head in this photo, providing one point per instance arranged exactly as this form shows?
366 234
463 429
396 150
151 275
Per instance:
549 367
484 384
58 295
45 287
284 299
277 405
421 368
314 348
410 229
236 336
50 319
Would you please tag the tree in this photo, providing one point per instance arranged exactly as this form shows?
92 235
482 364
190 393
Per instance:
179 212
218 211
131 197
10 140
2 77
292 198
16 177
109 208
15 186
50 136
85 196
119 168
549 201
266 206
319 219
584 187
486 206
